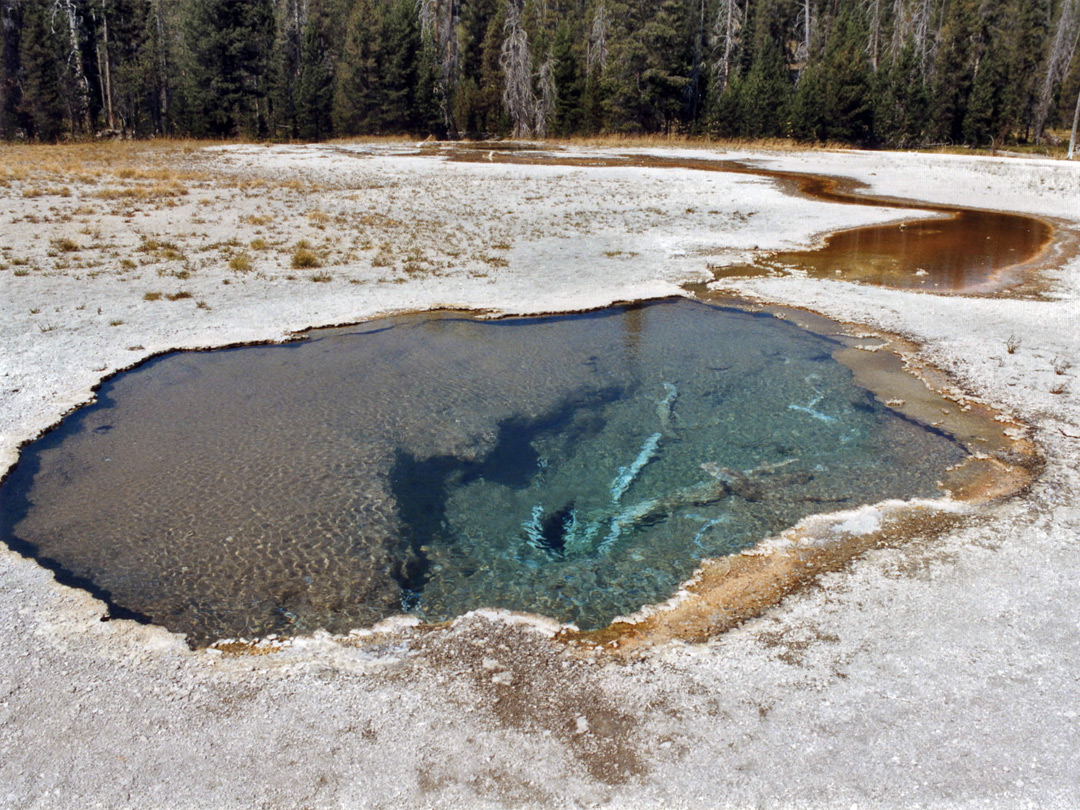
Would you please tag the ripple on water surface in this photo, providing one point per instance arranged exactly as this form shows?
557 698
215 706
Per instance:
576 466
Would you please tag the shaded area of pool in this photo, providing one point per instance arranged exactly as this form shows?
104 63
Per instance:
577 467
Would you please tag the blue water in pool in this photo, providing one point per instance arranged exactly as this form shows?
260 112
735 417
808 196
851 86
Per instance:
576 466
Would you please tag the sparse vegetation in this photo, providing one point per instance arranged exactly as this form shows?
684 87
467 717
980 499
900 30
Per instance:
384 257
161 249
303 258
241 263
65 245
1012 343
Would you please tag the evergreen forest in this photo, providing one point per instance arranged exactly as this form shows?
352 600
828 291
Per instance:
891 73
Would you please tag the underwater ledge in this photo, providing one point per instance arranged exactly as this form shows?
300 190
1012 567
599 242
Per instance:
722 593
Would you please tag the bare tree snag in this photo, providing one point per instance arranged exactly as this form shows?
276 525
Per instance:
80 91
726 40
516 62
597 54
1060 56
1076 121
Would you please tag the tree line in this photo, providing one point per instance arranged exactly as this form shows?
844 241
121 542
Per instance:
894 73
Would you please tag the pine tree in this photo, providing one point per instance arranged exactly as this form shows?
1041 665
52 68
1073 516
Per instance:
356 81
13 121
650 67
569 78
762 95
126 66
900 101
477 102
291 24
376 85
1002 99
228 43
954 71
428 101
42 104
400 34
314 86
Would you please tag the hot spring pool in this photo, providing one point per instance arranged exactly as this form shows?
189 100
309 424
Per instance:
577 466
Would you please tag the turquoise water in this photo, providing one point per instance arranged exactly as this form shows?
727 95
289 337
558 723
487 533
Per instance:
576 466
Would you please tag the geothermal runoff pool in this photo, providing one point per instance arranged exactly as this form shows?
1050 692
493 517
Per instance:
578 467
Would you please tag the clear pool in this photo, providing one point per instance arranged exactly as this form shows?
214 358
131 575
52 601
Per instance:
575 466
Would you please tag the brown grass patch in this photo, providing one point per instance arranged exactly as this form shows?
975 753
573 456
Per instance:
241 263
303 258
65 245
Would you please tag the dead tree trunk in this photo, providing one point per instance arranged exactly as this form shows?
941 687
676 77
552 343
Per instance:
545 110
596 55
162 66
1076 121
806 20
105 69
901 30
516 62
873 44
80 89
729 18
920 29
1060 56
439 20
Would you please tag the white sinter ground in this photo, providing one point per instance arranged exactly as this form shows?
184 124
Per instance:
943 673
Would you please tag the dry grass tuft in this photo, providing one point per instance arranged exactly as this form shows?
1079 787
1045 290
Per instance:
158 191
65 245
303 258
241 263
161 249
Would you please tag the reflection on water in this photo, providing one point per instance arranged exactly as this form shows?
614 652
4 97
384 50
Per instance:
575 466
965 252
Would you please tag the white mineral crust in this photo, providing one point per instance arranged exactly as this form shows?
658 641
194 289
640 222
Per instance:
943 673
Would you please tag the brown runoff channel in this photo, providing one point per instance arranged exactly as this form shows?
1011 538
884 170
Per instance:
964 250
